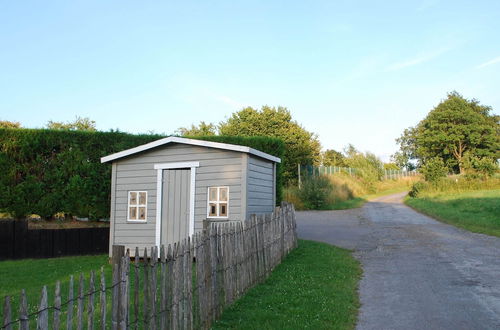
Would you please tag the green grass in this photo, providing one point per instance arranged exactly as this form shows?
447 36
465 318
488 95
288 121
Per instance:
314 288
476 211
33 274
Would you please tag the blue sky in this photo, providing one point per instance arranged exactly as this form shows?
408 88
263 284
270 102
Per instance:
351 71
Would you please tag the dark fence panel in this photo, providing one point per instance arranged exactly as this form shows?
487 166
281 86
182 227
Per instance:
18 242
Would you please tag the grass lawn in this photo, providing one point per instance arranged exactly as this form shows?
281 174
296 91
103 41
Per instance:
314 288
33 274
477 211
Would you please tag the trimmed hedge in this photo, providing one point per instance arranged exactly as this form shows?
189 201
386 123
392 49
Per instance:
48 171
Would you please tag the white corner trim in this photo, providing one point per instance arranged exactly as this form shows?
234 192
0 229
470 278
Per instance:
167 166
201 143
159 192
191 204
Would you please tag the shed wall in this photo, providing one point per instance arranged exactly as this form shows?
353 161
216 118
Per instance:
260 186
217 168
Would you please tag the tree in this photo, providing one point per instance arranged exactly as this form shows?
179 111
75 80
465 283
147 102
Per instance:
407 144
302 146
332 158
9 124
203 129
80 124
368 166
455 126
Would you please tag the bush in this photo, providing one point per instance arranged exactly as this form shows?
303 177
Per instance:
478 168
417 189
315 191
434 169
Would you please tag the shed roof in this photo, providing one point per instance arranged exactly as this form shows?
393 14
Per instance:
201 143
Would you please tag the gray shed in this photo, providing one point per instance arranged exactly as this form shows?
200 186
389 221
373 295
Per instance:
161 192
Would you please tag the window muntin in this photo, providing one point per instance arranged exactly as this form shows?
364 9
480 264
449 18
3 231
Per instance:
218 202
137 205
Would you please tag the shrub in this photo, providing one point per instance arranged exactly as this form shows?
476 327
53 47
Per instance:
434 169
478 168
417 189
315 191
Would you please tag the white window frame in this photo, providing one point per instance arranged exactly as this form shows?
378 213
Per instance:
137 206
217 202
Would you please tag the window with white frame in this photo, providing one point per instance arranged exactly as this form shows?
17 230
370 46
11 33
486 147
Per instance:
137 205
218 202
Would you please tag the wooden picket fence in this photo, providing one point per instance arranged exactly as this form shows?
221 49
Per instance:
184 286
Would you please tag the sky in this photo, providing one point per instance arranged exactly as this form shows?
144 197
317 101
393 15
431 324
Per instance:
356 72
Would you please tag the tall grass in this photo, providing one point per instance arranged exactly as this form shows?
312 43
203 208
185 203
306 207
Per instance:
346 191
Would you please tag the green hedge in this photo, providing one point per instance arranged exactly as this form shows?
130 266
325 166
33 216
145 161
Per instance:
48 171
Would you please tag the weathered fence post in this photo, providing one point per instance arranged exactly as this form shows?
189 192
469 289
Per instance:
43 312
7 310
57 306
23 312
102 299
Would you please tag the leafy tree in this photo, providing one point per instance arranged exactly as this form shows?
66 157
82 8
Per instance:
368 167
80 124
333 158
203 129
407 144
302 146
9 124
455 126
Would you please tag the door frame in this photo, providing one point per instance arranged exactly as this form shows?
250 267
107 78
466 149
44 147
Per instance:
159 194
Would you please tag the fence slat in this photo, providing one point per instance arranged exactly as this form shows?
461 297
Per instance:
80 305
163 288
102 299
43 312
136 288
169 281
124 301
23 312
146 289
7 314
57 306
69 318
115 296
152 287
90 306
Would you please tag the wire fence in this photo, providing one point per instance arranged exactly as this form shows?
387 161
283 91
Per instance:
310 170
182 286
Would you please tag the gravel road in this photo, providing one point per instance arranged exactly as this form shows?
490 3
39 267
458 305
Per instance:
418 273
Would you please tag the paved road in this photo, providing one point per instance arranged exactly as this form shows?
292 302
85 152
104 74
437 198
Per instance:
417 273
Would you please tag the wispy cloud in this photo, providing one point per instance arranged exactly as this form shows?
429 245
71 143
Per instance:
419 59
488 63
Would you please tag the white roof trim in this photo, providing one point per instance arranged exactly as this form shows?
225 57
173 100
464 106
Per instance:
201 143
